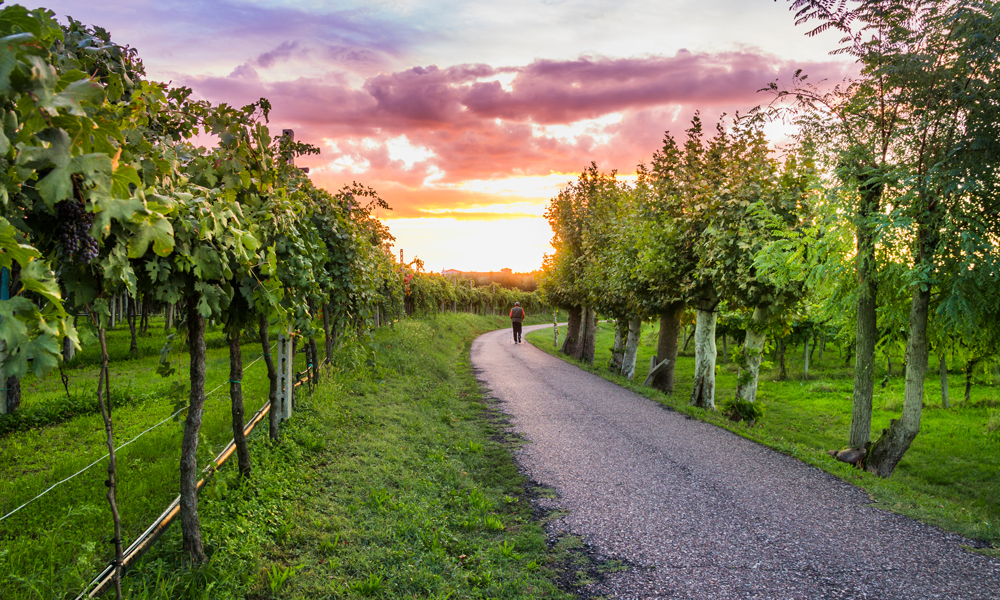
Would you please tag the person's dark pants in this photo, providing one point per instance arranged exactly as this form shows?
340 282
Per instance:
517 331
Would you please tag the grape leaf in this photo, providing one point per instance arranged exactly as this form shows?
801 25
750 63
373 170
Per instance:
152 228
120 180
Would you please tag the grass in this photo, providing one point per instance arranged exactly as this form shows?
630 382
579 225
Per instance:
950 477
53 547
388 483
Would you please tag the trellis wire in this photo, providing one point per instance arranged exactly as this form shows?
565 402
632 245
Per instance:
166 518
180 410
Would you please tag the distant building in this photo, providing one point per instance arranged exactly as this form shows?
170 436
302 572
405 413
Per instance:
450 272
506 271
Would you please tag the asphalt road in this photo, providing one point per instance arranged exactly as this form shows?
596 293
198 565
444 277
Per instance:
702 513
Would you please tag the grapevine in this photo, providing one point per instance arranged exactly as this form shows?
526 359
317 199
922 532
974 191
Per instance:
73 225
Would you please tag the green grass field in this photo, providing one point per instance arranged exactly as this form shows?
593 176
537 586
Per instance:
389 482
950 477
54 545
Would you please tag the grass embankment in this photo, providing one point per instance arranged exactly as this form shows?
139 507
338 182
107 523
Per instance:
388 483
950 477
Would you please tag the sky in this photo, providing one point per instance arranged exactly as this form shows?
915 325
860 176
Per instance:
467 117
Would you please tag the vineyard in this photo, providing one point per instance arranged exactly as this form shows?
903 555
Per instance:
146 278
191 331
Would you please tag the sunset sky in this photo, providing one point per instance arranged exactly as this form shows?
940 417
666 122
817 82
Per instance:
468 116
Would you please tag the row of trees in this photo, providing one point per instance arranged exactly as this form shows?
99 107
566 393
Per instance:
886 205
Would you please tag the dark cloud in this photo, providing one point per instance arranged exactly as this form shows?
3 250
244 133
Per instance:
281 53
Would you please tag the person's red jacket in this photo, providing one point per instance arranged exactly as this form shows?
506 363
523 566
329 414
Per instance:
521 310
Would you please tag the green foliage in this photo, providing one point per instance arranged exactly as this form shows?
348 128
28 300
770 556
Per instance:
78 403
277 577
743 410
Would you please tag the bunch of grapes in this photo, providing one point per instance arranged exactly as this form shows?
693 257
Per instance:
73 224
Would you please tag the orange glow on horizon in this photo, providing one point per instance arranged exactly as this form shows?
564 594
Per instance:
473 244
501 226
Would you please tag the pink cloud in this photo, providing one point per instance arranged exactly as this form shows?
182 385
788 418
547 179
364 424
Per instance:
468 124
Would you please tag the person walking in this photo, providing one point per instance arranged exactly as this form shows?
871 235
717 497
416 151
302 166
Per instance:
517 315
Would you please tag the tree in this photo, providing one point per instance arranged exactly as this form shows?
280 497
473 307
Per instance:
931 67
663 247
577 209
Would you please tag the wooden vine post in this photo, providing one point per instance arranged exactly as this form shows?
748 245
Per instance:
286 376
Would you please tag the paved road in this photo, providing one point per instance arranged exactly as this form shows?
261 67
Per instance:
703 513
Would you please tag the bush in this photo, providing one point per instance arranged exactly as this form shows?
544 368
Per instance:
743 410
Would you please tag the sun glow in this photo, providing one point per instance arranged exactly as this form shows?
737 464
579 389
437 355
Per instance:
527 186
473 245
535 209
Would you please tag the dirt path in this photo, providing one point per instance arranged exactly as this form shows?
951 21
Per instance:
704 513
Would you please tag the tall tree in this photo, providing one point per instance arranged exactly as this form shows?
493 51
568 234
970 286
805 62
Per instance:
933 67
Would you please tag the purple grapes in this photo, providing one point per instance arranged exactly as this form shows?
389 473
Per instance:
73 224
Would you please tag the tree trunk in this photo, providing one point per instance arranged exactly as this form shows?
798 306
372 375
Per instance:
313 353
688 336
725 347
969 367
867 332
168 317
805 359
13 384
753 348
782 370
631 347
190 524
666 347
68 351
13 394
144 317
572 341
943 372
274 416
587 342
618 350
326 331
555 328
889 449
705 353
133 347
236 396
104 401
313 361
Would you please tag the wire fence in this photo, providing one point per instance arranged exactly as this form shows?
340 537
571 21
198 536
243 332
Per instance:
108 455
144 541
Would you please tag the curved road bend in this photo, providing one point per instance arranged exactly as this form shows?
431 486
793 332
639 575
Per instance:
703 513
